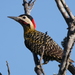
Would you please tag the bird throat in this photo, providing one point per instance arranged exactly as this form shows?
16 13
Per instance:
27 30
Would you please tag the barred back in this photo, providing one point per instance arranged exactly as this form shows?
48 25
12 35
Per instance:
34 41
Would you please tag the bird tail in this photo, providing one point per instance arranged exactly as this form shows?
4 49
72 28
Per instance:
71 68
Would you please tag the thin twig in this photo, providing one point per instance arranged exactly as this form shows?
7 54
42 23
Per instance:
38 67
41 61
8 67
44 40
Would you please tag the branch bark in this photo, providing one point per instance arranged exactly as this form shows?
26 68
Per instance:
28 6
38 69
70 20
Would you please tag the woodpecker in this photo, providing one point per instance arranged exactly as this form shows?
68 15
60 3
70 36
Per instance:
34 41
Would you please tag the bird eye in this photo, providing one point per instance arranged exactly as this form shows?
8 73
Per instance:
24 17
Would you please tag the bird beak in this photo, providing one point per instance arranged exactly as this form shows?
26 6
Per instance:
14 18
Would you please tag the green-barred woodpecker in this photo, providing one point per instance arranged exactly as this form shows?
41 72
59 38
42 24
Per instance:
34 41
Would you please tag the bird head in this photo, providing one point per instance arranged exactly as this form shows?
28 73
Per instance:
25 20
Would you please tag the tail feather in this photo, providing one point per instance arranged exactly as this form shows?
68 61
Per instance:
71 68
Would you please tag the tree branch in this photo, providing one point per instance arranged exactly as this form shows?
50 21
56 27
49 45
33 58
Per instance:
41 61
62 10
67 9
8 67
70 20
38 69
36 60
28 6
43 49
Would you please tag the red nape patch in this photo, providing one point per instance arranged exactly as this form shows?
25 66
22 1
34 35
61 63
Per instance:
22 22
34 23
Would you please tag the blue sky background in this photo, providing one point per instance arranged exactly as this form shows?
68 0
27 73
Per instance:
12 48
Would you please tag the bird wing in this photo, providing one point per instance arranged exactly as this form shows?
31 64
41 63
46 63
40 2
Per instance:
34 41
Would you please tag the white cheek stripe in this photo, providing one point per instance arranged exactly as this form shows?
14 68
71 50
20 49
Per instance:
27 20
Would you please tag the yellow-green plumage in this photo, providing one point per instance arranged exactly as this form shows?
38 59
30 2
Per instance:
34 41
